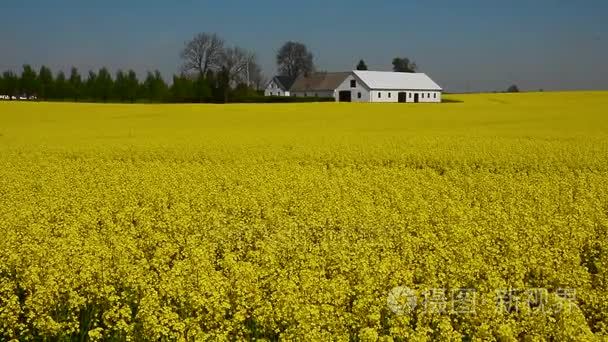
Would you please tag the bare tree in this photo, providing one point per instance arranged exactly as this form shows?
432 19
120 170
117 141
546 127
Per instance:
202 53
235 61
294 59
255 76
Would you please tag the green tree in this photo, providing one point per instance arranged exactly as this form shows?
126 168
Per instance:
11 83
220 86
404 65
182 89
361 65
132 84
75 87
28 83
155 87
513 89
60 87
242 91
104 85
2 86
202 89
91 87
120 86
45 83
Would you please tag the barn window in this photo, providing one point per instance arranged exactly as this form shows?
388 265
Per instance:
435 95
316 95
422 96
305 94
379 94
389 95
410 95
359 95
353 83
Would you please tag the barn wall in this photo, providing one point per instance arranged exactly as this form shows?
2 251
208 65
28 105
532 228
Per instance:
384 96
360 88
429 96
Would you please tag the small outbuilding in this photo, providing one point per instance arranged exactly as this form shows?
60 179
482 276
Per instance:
386 86
279 86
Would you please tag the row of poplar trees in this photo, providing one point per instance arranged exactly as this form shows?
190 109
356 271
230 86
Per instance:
123 86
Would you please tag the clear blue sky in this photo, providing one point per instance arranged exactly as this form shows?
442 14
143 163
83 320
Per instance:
463 45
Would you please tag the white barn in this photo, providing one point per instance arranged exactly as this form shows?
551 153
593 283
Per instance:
279 86
385 86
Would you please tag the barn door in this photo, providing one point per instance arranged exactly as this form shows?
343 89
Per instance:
345 96
416 98
402 97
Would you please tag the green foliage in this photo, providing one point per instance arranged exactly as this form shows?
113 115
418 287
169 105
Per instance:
182 89
45 83
3 88
28 83
131 86
103 85
154 87
11 83
513 89
60 88
404 65
75 87
124 87
361 65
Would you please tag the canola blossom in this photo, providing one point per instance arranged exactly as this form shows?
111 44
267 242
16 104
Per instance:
480 220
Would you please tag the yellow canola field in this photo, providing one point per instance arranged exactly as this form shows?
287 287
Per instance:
485 219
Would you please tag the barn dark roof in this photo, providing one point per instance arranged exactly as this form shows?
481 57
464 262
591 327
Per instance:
319 81
284 82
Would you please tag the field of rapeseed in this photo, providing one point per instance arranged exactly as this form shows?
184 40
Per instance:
480 220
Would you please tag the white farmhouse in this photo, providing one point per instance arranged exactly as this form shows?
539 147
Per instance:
385 86
279 86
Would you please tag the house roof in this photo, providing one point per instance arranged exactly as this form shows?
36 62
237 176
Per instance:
284 82
396 80
319 81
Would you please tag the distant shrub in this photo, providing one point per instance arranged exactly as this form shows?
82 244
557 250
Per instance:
513 89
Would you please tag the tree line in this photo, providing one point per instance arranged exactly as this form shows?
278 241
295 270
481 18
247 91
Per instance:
211 71
123 86
400 64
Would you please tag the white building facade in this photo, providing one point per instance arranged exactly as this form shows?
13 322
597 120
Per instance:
382 86
279 86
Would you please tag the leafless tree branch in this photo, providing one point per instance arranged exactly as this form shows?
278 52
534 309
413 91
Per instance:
202 53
